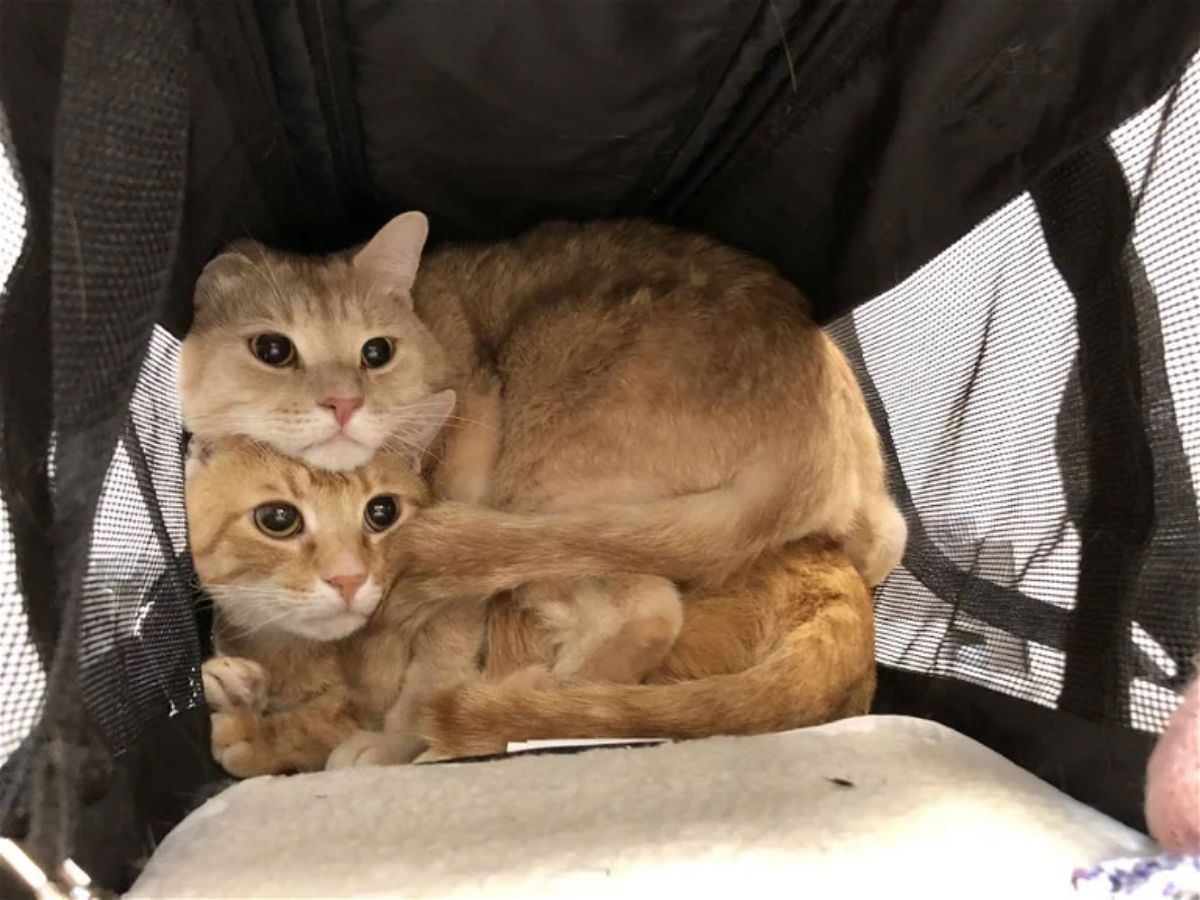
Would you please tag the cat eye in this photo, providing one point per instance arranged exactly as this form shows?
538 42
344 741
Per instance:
376 352
273 349
381 512
278 520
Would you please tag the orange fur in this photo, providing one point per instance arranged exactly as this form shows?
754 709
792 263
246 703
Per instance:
647 400
318 691
638 407
786 643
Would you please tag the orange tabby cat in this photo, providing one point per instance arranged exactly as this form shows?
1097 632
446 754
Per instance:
650 399
316 658
291 557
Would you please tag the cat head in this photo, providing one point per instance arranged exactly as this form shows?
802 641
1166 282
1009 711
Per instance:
284 548
321 358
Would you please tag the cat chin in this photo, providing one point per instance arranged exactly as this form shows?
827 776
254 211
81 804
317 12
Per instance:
333 627
337 454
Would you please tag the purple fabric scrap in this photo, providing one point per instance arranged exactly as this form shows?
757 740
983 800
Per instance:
1168 877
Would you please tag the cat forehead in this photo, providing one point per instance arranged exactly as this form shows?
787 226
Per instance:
266 286
265 474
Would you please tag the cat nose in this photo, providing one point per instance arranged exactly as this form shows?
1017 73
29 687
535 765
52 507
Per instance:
343 407
347 585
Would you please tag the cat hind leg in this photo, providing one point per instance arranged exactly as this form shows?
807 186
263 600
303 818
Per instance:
614 628
876 541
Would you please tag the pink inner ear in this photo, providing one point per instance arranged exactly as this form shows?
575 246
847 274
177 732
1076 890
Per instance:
394 254
197 455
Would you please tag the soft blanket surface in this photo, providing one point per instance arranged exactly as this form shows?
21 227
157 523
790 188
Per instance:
876 806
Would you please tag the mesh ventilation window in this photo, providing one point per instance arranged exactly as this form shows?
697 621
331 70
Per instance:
139 650
973 365
22 681
973 358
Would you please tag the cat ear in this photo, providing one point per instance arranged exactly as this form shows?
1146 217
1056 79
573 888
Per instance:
394 254
197 456
423 422
227 269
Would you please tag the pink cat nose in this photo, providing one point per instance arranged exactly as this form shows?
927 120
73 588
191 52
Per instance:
343 407
347 585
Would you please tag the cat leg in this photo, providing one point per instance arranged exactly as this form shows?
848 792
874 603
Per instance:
445 652
432 755
375 748
876 540
299 739
467 741
613 628
233 683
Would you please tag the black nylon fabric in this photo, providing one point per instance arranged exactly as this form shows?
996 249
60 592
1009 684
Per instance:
94 279
1087 218
926 117
820 153
1121 466
848 143
1043 433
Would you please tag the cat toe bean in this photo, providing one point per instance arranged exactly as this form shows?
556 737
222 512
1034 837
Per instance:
232 683
233 745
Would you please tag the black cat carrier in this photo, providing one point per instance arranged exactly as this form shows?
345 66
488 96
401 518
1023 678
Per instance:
993 206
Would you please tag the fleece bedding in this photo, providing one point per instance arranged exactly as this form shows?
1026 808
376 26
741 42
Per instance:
878 806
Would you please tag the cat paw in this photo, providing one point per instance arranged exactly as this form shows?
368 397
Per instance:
432 756
234 684
373 748
234 746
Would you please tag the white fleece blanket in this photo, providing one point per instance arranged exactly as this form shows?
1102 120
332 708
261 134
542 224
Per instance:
880 806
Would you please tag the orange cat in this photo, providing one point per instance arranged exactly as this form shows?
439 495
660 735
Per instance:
315 657
292 559
653 397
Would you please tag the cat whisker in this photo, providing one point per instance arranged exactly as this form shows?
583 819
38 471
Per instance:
397 442
238 634
431 417
271 595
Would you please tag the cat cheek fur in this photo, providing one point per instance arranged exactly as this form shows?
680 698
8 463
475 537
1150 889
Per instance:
224 391
315 611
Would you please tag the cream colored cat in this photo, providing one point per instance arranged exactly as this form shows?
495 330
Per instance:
651 400
313 655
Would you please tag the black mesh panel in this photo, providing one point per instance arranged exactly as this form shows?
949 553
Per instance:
22 679
1038 387
1037 384
90 447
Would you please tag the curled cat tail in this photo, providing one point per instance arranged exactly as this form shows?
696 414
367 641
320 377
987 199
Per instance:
454 549
822 671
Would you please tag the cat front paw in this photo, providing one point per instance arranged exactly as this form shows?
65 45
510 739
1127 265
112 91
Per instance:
374 748
236 745
433 756
234 684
